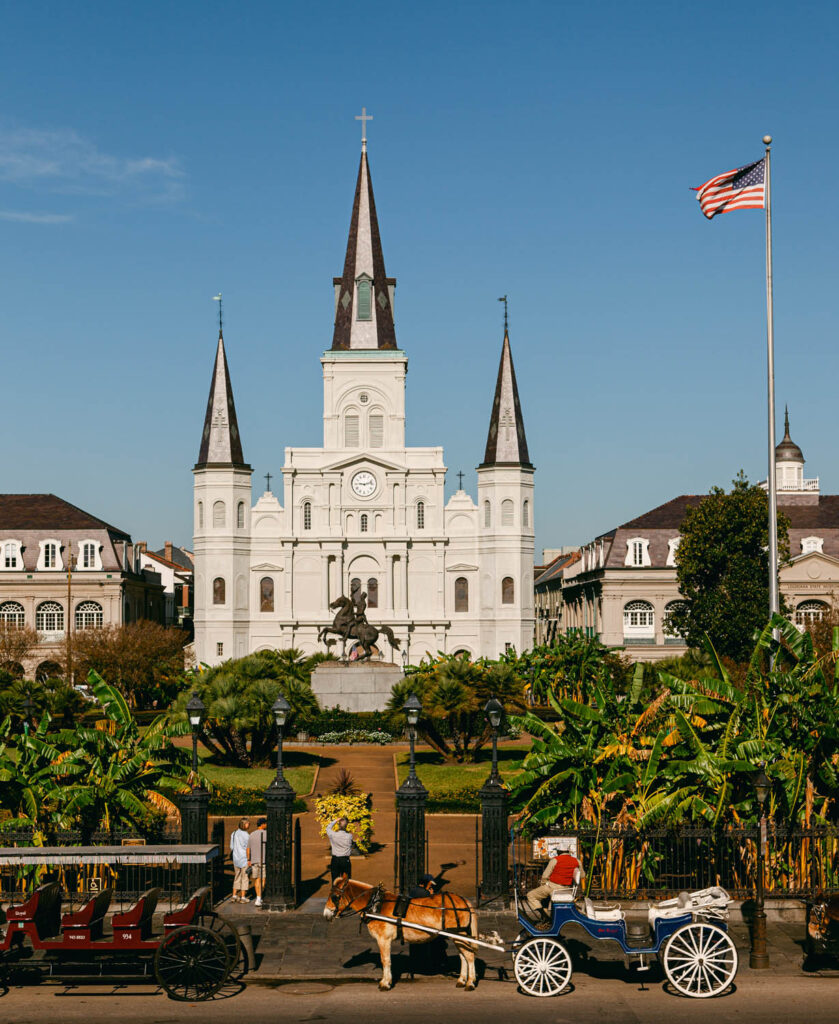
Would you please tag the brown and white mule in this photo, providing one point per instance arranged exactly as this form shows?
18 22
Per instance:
445 911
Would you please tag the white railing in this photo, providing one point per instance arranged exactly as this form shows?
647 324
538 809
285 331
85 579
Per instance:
804 485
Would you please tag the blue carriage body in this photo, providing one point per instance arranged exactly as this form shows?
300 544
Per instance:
567 913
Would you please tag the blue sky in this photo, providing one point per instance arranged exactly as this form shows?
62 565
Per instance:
152 155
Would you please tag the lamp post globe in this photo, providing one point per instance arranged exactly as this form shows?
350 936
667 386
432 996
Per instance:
195 714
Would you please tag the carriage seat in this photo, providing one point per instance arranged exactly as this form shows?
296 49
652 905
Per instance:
712 902
43 908
568 895
136 923
602 911
87 923
188 912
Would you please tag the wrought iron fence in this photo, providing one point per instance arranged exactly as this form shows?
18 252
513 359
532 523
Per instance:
624 863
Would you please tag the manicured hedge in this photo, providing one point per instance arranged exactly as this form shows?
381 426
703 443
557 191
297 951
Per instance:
242 800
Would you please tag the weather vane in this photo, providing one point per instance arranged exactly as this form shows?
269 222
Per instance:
217 298
364 117
504 300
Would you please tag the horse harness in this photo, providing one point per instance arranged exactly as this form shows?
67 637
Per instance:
402 905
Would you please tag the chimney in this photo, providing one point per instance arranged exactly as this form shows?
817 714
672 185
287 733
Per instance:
167 554
141 547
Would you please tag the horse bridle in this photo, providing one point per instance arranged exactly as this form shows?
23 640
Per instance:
339 892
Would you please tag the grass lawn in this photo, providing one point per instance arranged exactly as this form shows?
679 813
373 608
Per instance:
298 768
445 779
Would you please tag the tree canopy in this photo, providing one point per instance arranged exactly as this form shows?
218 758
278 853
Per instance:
722 567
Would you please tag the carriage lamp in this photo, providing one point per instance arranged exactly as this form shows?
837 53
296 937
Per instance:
412 709
758 954
195 714
280 710
494 709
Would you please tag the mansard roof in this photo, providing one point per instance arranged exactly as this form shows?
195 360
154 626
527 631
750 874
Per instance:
364 257
48 513
221 445
506 440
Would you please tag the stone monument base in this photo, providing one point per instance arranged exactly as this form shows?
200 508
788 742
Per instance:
358 686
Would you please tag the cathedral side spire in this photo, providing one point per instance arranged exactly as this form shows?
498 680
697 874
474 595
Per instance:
221 444
364 292
506 440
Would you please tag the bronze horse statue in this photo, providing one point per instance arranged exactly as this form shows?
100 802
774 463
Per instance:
349 625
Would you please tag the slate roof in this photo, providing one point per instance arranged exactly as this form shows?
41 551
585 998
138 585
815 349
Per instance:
506 439
221 444
668 516
35 512
385 331
179 557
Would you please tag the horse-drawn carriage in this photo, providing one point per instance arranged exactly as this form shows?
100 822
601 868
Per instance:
687 935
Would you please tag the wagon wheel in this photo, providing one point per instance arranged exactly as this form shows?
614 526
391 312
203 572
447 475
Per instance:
191 963
224 927
542 967
700 960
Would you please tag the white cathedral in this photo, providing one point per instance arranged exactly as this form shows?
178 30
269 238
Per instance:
453 577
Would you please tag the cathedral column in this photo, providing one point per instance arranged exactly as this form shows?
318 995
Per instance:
325 581
403 586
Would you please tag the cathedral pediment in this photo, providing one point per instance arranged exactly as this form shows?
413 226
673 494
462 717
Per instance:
365 458
461 567
266 566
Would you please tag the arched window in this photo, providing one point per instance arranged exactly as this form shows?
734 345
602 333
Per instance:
461 594
266 594
810 612
200 515
525 513
307 515
89 615
240 516
12 614
487 514
219 514
639 622
47 670
351 439
377 430
507 512
508 590
671 634
364 522
355 584
219 590
49 617
364 287
420 515
372 592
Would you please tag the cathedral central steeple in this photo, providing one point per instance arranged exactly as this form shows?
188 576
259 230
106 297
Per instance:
364 293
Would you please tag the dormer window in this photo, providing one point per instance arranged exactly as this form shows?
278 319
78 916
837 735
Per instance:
672 548
50 555
637 552
809 544
12 558
364 292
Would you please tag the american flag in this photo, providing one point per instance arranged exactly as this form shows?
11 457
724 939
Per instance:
744 188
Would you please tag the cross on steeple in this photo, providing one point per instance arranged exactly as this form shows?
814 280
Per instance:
217 298
267 481
364 117
460 480
504 300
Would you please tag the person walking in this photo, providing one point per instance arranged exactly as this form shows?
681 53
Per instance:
239 851
256 857
340 842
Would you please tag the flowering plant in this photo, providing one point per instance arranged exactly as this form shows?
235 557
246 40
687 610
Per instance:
354 808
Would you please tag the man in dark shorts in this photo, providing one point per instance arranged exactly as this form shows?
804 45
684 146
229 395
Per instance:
340 842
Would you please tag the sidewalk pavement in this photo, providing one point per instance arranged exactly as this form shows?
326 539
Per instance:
304 946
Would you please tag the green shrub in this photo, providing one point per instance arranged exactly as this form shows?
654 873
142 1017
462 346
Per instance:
226 800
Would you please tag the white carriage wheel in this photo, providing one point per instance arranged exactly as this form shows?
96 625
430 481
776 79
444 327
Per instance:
542 967
700 960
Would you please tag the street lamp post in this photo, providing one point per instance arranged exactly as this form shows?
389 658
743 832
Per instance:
27 705
195 803
758 955
410 803
494 796
279 802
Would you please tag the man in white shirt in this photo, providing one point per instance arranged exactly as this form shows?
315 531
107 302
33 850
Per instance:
239 850
340 842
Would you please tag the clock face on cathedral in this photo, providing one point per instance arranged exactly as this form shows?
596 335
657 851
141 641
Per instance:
363 484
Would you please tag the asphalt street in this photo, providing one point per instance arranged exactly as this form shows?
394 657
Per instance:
610 997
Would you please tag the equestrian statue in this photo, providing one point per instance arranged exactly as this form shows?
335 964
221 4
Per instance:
351 623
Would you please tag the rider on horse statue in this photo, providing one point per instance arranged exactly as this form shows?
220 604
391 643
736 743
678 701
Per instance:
351 623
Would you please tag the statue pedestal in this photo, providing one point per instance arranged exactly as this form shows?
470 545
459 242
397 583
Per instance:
359 686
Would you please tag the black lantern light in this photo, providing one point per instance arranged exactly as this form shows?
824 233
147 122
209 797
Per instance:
494 710
280 710
195 714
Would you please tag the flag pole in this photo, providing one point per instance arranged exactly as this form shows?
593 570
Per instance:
771 481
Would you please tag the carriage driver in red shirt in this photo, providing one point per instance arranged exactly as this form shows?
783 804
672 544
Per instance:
558 876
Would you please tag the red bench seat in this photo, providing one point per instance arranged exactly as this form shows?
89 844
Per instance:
188 912
43 908
136 922
86 924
